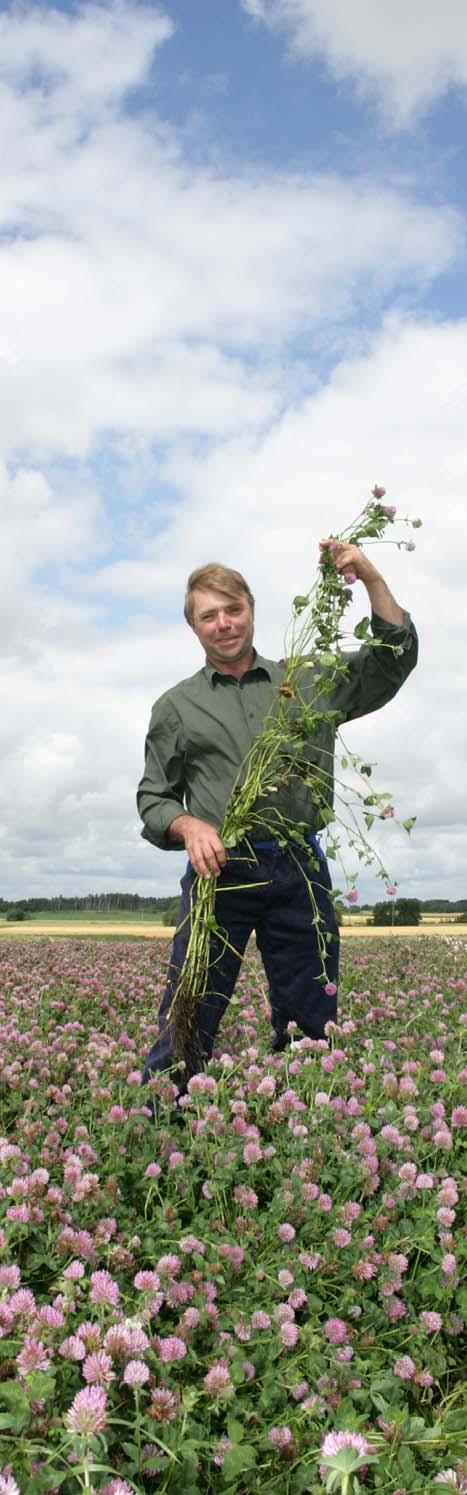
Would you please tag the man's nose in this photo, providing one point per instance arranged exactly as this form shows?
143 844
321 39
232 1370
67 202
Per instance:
224 620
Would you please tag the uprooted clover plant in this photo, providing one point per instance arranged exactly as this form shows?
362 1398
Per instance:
297 743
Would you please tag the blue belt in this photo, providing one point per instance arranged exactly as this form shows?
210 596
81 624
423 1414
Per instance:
276 846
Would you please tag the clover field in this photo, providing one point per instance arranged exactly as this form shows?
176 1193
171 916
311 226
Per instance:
264 1292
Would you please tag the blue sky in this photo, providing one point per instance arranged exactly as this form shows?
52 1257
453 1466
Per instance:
233 296
234 72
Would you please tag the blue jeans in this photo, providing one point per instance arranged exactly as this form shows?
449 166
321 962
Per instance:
276 904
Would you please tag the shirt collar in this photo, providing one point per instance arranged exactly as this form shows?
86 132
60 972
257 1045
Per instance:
260 667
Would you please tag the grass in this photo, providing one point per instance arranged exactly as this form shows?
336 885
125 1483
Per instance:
91 916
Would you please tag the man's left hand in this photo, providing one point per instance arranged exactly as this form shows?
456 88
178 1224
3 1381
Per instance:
348 557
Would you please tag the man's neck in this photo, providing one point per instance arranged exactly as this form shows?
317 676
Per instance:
237 668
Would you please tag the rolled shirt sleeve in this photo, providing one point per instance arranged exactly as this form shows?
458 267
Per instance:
160 794
374 675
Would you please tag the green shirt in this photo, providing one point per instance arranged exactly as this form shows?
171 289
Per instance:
201 730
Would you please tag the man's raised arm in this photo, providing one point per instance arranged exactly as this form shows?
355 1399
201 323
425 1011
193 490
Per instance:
351 558
374 675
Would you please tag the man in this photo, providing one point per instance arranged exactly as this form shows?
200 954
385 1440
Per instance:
199 734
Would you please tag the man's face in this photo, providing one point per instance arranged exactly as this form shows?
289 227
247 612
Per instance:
224 626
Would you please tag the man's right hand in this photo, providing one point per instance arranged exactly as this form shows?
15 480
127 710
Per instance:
203 844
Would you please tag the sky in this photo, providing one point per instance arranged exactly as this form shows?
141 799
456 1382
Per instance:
233 297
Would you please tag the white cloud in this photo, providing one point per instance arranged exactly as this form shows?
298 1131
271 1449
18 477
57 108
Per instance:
141 325
136 290
404 56
148 312
43 528
394 415
83 60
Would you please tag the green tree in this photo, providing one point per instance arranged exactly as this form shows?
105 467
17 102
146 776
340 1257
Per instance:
408 910
383 913
172 912
403 911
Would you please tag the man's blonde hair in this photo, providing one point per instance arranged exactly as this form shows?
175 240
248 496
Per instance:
219 579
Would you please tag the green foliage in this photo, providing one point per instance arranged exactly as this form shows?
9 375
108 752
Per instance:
403 911
17 1412
362 630
89 902
238 1458
172 912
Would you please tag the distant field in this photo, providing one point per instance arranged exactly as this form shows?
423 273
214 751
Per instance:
398 930
86 921
361 918
129 916
91 916
61 930
149 926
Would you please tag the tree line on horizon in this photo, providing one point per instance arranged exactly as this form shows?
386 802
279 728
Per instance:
99 902
167 904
